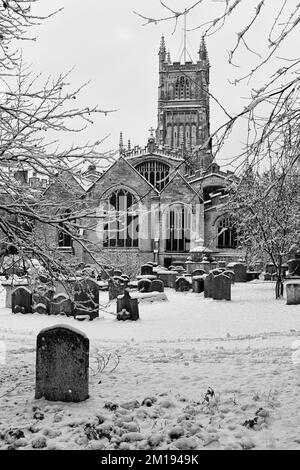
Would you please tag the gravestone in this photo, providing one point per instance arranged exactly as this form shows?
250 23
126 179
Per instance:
61 305
146 270
293 293
21 300
198 284
62 364
270 268
43 297
127 308
182 284
144 285
240 271
168 277
209 285
221 287
40 308
86 298
157 286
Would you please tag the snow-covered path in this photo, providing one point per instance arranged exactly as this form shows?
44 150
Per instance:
179 348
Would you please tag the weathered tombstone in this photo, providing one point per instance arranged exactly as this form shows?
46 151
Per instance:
240 271
182 284
61 304
42 297
222 287
127 308
86 298
157 286
198 284
62 364
40 308
144 285
21 300
168 277
209 285
293 293
270 268
146 269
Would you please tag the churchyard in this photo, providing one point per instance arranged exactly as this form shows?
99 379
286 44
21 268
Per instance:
169 360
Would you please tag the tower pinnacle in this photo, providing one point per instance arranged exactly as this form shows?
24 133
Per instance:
202 50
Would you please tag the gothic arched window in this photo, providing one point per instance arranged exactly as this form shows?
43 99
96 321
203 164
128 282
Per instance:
227 237
178 228
157 173
121 220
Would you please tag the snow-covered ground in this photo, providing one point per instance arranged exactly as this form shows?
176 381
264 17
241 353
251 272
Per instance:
173 354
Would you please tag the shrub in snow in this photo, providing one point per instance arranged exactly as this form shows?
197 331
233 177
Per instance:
176 432
130 405
185 443
39 442
155 439
132 437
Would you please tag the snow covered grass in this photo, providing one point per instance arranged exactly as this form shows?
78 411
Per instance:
179 348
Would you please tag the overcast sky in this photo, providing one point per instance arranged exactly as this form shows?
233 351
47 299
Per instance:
107 44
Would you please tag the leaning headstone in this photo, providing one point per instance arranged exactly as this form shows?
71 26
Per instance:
127 308
21 300
222 287
209 285
198 284
144 285
86 298
146 269
182 284
293 293
157 286
62 364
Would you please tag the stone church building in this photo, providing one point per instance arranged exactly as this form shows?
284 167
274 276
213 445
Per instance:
164 201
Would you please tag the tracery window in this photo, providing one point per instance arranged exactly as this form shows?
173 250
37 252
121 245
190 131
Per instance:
178 228
227 236
157 173
121 227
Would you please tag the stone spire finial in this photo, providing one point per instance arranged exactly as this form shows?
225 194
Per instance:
121 145
202 50
162 50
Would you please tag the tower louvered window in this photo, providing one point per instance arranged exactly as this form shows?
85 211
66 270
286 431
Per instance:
182 88
157 173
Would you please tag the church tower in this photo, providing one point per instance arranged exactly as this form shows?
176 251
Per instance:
183 106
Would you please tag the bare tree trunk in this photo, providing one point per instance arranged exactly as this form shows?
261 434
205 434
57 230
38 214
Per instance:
279 283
